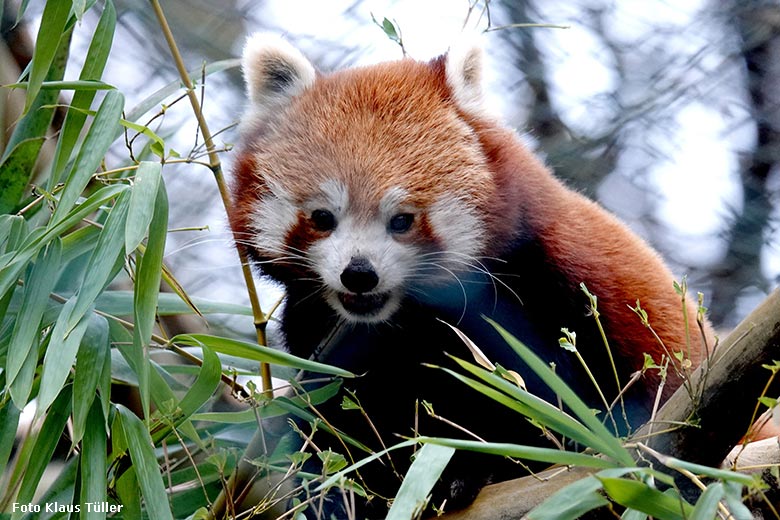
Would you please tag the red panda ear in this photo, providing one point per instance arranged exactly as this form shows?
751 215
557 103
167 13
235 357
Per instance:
274 71
463 68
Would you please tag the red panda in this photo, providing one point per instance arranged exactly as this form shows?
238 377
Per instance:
386 199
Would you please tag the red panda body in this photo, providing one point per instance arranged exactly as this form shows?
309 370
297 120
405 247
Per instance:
386 201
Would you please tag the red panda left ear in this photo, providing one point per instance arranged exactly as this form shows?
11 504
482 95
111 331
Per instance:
274 72
463 66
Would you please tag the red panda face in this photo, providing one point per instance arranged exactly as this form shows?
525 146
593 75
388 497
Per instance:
367 182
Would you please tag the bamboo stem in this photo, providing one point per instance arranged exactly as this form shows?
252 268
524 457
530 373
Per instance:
260 318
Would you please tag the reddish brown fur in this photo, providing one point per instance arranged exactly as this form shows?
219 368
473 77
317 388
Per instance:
327 137
401 125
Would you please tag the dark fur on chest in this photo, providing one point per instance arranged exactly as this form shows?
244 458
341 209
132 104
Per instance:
532 301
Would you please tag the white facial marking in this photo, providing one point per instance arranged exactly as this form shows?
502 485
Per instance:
333 196
275 214
392 201
457 226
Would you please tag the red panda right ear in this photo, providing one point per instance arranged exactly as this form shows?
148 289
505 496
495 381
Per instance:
463 68
274 72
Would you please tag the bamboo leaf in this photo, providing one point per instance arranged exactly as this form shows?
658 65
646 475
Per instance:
571 502
244 349
207 381
733 496
171 88
567 395
23 350
424 472
51 32
120 303
60 355
92 352
106 258
271 408
9 421
43 449
536 408
147 287
549 455
142 203
93 462
641 497
707 505
101 134
337 477
21 151
147 471
94 64
15 172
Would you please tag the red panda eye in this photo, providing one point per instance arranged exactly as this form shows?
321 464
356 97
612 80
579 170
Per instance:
401 223
323 220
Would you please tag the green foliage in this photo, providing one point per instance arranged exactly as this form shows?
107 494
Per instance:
71 333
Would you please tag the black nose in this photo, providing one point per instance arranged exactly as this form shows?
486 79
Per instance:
359 276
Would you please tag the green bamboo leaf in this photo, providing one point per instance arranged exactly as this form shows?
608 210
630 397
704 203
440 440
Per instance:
51 32
159 389
15 172
105 382
13 228
142 203
571 502
120 303
94 64
60 355
79 6
535 453
126 485
61 490
42 449
641 497
147 287
21 151
11 269
9 422
106 260
244 349
424 472
630 514
93 463
171 88
23 349
156 141
206 383
706 471
101 134
42 236
145 464
79 242
567 395
91 356
89 85
733 496
707 505
539 410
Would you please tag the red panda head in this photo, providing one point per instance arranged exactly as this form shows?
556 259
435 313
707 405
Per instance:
369 181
